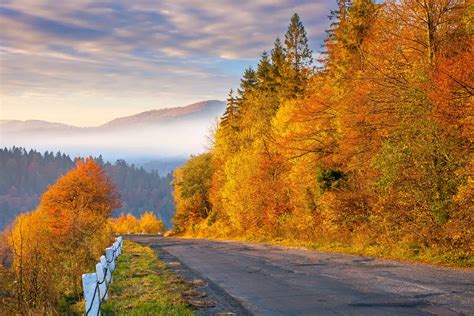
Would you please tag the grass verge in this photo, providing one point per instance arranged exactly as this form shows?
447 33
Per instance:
143 285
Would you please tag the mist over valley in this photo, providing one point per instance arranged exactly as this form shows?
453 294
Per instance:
157 139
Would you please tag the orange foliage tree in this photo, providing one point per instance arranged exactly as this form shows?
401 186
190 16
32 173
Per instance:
53 245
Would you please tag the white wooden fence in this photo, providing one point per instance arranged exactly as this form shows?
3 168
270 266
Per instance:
96 284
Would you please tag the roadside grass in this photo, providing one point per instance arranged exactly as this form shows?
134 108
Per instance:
142 285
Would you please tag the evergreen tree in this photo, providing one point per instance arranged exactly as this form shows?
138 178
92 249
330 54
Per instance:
247 83
264 78
296 49
231 110
278 62
298 56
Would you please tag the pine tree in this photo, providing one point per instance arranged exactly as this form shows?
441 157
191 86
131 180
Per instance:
298 56
264 78
248 81
247 84
296 49
230 111
278 60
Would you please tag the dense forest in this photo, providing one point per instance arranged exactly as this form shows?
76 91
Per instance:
25 175
368 149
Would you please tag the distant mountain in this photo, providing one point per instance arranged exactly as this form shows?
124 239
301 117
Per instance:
16 126
152 135
201 110
207 110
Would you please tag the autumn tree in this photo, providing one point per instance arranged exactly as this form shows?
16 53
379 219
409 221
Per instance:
64 237
125 224
191 192
351 24
150 224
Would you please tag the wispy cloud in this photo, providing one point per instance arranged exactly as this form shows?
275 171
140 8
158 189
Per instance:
119 57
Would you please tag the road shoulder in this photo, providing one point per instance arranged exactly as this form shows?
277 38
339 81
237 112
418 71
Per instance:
216 301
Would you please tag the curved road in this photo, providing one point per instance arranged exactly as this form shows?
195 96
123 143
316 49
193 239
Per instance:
273 280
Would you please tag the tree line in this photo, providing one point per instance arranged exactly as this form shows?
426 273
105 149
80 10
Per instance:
25 175
370 148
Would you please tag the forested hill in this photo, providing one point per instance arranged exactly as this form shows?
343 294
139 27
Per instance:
25 175
372 151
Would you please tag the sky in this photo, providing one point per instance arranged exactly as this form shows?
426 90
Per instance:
86 62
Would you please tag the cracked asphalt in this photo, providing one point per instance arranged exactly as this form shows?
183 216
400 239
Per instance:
265 279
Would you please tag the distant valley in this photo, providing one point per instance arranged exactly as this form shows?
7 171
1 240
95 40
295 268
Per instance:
161 138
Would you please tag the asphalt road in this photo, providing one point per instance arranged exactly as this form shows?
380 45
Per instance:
273 280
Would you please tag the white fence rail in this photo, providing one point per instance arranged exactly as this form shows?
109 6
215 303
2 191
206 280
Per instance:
96 285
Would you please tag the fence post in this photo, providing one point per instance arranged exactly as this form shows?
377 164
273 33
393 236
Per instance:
91 293
119 240
109 255
108 274
100 269
115 248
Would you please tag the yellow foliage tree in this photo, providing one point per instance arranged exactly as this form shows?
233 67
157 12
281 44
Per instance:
125 224
150 224
129 224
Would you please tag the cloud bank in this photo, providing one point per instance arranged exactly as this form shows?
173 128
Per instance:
85 62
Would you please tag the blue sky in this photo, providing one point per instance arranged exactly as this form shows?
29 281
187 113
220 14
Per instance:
86 62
